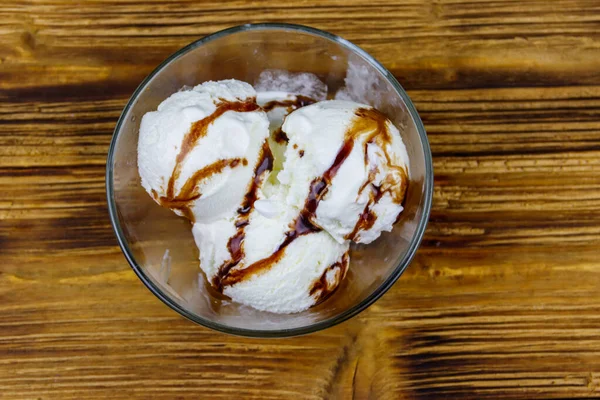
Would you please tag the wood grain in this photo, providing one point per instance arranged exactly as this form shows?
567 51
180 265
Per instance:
502 300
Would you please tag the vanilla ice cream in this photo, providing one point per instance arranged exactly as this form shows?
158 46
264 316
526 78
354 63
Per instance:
350 161
198 151
277 189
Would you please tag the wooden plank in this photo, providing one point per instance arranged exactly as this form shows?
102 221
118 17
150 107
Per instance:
501 301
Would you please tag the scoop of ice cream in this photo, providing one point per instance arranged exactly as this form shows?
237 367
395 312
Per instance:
348 163
273 272
198 151
302 274
267 258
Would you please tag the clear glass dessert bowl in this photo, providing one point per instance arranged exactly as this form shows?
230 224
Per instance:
159 245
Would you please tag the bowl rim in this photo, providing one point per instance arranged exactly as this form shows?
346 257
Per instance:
320 325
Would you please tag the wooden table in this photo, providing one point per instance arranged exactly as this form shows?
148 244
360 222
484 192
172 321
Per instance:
502 300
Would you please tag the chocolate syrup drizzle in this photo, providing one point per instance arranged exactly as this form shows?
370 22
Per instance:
235 245
321 288
396 180
188 192
292 104
300 101
279 136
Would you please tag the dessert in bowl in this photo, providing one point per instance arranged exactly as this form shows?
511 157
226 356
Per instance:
274 157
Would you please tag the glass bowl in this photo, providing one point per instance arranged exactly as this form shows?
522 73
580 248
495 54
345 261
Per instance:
159 245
